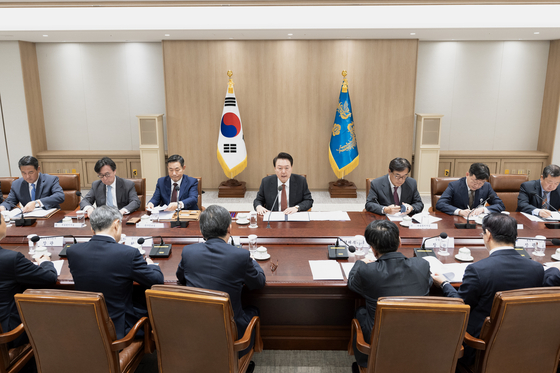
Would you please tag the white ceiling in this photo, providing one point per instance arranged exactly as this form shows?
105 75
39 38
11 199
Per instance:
141 24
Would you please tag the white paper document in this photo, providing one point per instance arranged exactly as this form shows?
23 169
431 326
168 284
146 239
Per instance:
431 219
555 216
395 217
325 270
58 265
347 267
158 208
280 216
39 213
328 216
532 217
452 271
166 215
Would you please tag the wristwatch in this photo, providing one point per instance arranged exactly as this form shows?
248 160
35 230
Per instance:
37 204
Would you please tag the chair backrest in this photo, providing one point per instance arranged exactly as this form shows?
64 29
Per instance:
417 334
70 184
522 333
368 184
6 185
70 331
194 329
12 360
140 186
438 186
199 192
507 188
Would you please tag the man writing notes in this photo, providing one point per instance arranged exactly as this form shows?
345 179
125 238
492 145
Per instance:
34 189
539 197
503 270
389 192
104 266
292 191
217 265
176 189
110 190
470 193
392 274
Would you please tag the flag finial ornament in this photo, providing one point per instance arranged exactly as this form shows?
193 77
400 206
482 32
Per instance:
344 81
230 83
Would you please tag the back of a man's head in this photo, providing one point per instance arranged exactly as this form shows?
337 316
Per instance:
102 217
383 236
214 222
502 227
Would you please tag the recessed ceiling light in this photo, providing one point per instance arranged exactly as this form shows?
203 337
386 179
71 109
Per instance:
412 33
290 34
536 32
45 36
231 38
167 35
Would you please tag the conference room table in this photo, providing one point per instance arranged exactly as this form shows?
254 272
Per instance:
297 312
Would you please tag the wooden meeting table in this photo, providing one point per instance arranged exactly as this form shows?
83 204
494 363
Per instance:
296 312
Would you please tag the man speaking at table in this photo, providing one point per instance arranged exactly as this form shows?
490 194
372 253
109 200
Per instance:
469 194
389 192
176 189
102 265
34 189
503 270
110 190
538 197
292 191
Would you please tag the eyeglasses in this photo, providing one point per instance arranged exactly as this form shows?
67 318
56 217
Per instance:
400 177
273 267
101 176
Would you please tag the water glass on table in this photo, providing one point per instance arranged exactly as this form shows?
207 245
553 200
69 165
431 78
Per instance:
252 244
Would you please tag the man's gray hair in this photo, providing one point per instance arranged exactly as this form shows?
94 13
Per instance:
102 217
214 222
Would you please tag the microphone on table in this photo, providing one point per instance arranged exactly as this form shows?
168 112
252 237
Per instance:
340 252
423 251
272 209
62 252
162 250
178 223
469 225
23 222
442 235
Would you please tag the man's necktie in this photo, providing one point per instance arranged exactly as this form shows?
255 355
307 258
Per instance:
284 201
545 199
174 194
110 196
396 197
471 199
33 192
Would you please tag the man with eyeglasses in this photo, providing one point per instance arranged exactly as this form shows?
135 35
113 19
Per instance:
110 190
395 192
469 194
538 197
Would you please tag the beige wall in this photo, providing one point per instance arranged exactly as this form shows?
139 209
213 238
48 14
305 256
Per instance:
287 93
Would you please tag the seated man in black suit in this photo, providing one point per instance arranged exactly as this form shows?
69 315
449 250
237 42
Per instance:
294 194
387 193
469 194
536 197
217 265
110 190
102 265
34 189
503 270
392 274
16 274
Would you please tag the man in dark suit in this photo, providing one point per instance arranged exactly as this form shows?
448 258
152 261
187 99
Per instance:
217 265
392 274
166 188
292 191
110 190
503 270
16 274
102 265
468 194
34 189
389 192
537 196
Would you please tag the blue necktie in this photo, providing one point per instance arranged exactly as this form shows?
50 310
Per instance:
33 192
109 196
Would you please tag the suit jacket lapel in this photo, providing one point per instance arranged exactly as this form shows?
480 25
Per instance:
184 186
39 187
274 189
386 188
103 196
120 190
293 189
406 192
24 192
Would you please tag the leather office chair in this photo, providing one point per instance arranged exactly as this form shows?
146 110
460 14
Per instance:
368 184
200 191
6 185
507 188
71 331
195 331
414 334
13 359
522 333
437 187
140 186
70 184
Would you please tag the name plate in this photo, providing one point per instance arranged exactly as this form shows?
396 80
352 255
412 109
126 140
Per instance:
133 240
51 241
519 226
528 244
422 226
439 242
150 225
69 225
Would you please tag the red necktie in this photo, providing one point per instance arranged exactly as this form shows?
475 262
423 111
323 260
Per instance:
396 197
174 194
284 202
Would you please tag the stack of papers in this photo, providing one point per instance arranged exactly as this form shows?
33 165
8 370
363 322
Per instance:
325 270
454 272
308 216
431 219
37 213
329 215
280 216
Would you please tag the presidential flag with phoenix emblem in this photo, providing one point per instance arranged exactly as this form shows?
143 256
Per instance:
343 149
232 153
